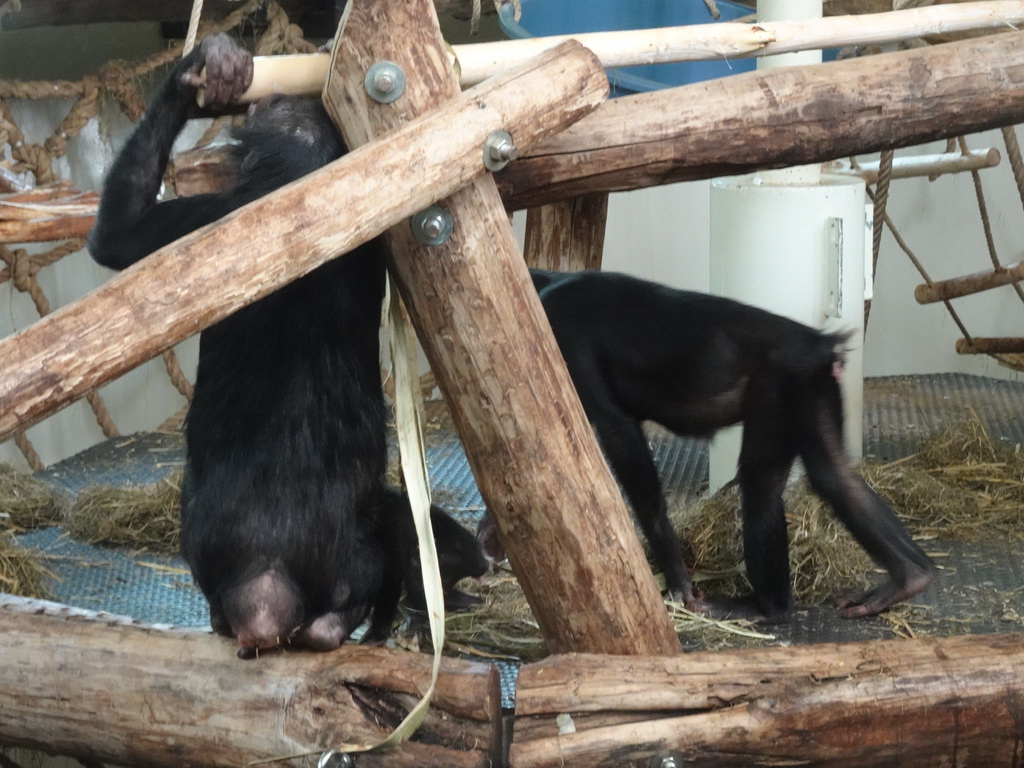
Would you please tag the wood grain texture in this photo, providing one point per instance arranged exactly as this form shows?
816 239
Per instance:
955 701
569 537
568 235
777 118
105 688
200 279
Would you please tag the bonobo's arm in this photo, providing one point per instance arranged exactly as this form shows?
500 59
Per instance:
130 224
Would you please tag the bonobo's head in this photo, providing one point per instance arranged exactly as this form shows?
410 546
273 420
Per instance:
287 135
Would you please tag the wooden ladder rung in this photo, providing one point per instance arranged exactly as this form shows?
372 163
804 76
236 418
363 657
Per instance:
968 284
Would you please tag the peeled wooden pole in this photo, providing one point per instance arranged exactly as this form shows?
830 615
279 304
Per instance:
568 534
306 73
104 688
200 279
776 118
732 40
915 166
914 703
968 284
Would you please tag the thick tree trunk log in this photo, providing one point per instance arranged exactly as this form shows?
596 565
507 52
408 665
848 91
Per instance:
934 701
776 118
567 236
104 688
956 287
569 537
202 278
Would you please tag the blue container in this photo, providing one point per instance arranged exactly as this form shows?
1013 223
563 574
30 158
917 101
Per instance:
566 17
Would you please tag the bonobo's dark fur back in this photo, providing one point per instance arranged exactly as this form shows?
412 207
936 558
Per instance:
286 139
694 363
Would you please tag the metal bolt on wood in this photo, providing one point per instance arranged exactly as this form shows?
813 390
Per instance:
384 82
332 758
498 150
432 226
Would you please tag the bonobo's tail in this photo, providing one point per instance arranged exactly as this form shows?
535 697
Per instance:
814 354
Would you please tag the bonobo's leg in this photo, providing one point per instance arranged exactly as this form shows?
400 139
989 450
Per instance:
862 511
130 224
766 457
629 457
458 557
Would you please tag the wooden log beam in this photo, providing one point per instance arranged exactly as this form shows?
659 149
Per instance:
567 236
978 345
46 213
103 688
922 702
306 73
568 534
202 278
968 284
777 118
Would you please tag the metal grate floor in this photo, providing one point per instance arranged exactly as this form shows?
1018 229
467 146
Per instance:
980 589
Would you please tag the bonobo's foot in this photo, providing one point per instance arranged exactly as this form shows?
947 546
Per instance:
455 600
744 608
885 595
489 540
687 596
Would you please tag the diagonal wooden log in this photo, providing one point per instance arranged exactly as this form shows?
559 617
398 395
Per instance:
777 118
202 278
103 688
915 703
563 521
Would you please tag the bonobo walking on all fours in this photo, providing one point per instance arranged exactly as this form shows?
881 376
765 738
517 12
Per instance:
696 363
286 523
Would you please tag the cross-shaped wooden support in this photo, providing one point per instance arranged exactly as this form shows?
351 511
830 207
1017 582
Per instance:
560 514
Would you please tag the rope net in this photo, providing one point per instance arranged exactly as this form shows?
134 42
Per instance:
38 206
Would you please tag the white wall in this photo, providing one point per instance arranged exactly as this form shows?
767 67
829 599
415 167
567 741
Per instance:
662 234
942 226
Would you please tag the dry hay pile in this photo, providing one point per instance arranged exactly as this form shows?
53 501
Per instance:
962 485
26 503
824 559
145 517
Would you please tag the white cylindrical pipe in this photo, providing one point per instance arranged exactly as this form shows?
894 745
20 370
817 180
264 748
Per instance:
787 10
798 251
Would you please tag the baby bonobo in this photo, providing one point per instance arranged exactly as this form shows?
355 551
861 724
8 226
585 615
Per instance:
696 363
286 523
